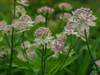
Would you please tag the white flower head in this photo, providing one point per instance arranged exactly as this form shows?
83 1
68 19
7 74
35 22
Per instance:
69 30
39 19
23 23
27 44
20 11
61 36
65 6
43 35
57 46
24 2
67 16
45 10
82 18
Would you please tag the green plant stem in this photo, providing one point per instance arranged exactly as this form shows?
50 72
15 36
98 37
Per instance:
25 52
46 20
12 39
7 40
71 47
19 40
42 61
90 53
60 21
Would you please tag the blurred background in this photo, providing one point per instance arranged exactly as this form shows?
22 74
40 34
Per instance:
94 5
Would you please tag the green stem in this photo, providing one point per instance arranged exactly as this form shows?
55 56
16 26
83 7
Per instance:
42 61
12 39
71 47
90 53
60 21
46 20
19 40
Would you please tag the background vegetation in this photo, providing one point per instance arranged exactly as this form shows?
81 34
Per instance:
80 65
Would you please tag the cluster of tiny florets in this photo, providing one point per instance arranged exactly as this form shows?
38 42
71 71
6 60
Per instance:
58 44
45 10
65 6
23 23
82 18
42 32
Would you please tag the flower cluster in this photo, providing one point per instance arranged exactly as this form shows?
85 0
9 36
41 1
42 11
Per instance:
65 6
82 18
39 19
57 46
24 2
23 23
69 30
43 35
61 36
45 10
20 11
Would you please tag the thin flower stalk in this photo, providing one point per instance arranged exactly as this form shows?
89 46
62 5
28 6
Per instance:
90 53
12 40
71 47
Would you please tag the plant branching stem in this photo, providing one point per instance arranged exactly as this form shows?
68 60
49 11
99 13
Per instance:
71 47
90 53
12 41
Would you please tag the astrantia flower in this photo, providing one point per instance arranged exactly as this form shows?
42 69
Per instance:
65 6
7 29
61 36
24 2
43 35
2 25
45 10
26 44
82 18
69 30
30 53
20 11
81 34
23 23
57 46
67 16
39 19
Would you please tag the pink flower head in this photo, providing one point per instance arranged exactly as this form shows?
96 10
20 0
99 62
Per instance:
45 10
82 18
65 6
57 44
43 35
42 32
